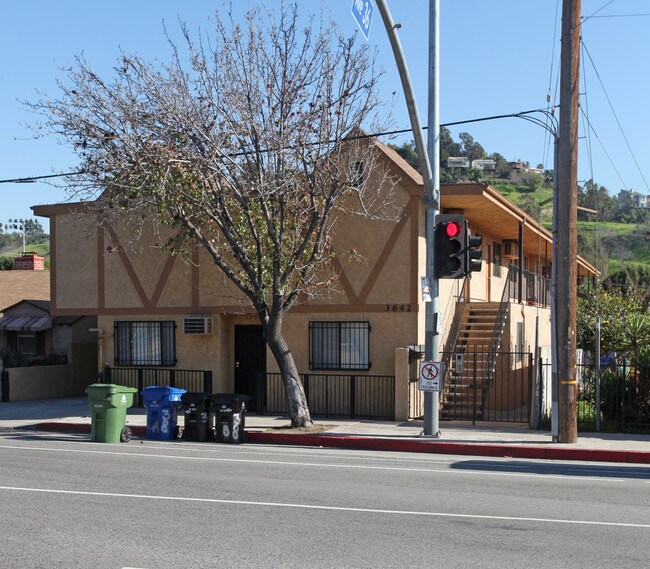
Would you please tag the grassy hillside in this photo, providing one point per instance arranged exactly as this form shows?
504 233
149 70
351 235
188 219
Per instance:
622 243
608 245
41 248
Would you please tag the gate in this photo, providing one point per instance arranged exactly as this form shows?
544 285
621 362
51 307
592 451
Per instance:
481 387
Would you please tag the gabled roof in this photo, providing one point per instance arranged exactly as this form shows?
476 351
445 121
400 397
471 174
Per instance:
20 285
411 173
43 305
489 213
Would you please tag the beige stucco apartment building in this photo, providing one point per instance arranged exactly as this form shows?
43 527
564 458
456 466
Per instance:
156 310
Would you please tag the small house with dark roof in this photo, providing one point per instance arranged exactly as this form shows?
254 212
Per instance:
45 356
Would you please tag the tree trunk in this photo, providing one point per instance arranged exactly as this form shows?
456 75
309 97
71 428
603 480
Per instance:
298 408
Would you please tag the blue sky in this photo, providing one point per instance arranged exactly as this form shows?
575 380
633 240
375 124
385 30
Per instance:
496 57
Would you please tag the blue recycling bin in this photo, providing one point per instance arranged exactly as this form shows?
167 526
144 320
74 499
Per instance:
162 405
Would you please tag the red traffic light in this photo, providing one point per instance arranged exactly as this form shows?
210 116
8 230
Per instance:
453 229
449 255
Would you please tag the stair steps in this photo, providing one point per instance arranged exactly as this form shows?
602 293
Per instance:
463 394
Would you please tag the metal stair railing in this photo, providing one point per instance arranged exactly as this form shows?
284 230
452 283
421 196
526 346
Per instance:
451 339
491 359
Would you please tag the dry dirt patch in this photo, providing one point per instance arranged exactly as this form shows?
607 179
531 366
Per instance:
315 429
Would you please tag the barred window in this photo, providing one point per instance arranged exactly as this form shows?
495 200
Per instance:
339 345
145 343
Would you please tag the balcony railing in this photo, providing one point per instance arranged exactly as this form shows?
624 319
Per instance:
535 289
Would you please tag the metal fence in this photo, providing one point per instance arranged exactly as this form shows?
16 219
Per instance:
370 396
471 392
502 393
624 397
190 380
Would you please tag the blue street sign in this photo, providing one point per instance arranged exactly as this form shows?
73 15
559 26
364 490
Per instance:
362 12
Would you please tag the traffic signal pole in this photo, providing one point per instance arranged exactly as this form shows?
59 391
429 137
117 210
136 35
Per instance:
429 158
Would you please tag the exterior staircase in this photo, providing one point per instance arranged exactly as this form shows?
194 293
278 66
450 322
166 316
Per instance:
466 383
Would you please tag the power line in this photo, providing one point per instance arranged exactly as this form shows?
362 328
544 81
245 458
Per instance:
549 98
32 179
611 106
526 115
596 12
619 16
603 147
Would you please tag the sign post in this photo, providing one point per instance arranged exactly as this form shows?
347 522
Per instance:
362 12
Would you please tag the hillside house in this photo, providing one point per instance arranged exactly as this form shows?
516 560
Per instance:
630 198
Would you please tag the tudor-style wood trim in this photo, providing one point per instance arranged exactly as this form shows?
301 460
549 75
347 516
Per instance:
162 281
155 312
383 257
133 277
101 268
51 210
238 310
53 272
195 275
415 239
401 308
344 281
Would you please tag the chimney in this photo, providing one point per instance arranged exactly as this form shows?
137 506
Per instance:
29 261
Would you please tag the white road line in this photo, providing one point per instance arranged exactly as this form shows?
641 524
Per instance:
282 450
324 508
320 465
265 450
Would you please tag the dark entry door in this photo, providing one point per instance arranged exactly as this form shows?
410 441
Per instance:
250 358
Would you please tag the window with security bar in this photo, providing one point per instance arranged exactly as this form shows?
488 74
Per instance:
144 343
339 345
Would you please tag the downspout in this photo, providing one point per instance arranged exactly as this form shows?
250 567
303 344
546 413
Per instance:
100 351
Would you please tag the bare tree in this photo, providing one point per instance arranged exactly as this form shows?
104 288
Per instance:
245 142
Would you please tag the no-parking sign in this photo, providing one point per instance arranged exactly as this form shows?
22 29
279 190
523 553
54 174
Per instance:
430 376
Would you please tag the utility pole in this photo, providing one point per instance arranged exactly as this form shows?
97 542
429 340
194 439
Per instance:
567 246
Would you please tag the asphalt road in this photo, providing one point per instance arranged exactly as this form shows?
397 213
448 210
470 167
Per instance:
66 502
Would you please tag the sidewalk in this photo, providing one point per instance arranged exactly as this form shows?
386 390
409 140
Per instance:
485 439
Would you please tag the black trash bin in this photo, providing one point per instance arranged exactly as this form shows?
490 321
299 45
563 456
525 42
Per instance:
199 418
230 417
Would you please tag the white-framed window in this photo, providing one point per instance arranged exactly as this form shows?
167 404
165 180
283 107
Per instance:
145 343
339 345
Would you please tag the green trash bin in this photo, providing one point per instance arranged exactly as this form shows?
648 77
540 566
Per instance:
109 403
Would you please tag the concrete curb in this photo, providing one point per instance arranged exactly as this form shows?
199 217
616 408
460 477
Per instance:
441 447
406 445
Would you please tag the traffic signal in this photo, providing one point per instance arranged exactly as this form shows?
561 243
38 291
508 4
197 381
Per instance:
449 260
473 253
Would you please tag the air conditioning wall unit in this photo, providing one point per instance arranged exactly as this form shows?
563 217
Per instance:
511 249
197 325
